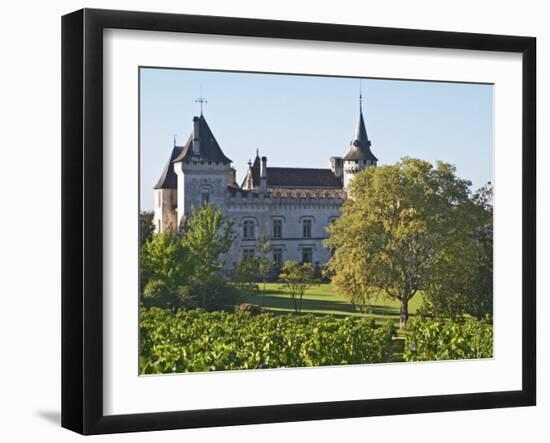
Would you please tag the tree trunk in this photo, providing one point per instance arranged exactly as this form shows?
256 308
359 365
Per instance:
404 313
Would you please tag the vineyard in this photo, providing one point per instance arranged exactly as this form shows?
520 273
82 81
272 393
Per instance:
194 340
448 340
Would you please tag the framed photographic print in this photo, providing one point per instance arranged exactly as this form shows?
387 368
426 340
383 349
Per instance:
269 221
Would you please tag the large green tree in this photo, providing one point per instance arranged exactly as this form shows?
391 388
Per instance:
395 225
146 227
207 237
462 280
184 268
165 268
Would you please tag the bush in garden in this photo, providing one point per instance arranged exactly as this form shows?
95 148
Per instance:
194 340
448 340
158 293
249 307
212 294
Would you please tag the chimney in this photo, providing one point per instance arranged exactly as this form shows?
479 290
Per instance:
196 137
337 166
232 178
263 174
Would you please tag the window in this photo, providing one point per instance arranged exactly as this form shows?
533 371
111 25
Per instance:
278 258
248 230
248 253
277 228
306 226
307 255
205 196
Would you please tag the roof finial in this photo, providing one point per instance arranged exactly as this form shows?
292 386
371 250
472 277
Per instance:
174 139
201 99
257 152
360 96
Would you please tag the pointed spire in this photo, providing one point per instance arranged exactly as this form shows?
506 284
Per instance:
360 137
360 144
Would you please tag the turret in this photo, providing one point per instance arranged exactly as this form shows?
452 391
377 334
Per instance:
359 155
165 195
202 171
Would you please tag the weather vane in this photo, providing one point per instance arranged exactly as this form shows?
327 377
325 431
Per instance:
360 94
201 100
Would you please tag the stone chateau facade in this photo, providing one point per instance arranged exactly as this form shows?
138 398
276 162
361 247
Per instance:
291 206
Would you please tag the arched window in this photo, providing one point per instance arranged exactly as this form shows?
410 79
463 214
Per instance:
205 195
277 228
278 258
307 255
248 230
306 227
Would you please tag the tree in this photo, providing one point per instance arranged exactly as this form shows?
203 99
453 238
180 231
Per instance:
164 267
393 228
265 261
146 227
296 278
245 274
462 282
207 236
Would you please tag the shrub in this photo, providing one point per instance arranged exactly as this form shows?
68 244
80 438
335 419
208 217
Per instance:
448 340
158 293
194 340
213 294
249 307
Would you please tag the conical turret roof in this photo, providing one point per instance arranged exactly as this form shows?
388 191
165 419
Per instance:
360 145
209 148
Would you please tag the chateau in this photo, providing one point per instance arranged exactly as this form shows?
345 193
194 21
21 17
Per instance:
291 206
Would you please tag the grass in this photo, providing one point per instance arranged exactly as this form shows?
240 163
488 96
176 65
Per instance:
323 300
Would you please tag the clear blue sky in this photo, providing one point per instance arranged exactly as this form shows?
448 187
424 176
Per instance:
301 121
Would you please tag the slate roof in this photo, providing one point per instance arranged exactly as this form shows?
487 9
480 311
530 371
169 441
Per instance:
302 178
360 145
168 179
209 148
295 177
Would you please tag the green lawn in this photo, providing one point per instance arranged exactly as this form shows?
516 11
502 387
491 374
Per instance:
323 299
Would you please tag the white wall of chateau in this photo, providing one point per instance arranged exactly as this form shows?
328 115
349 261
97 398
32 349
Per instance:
261 208
292 211
193 179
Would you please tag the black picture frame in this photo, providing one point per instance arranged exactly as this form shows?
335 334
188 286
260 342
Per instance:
82 239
